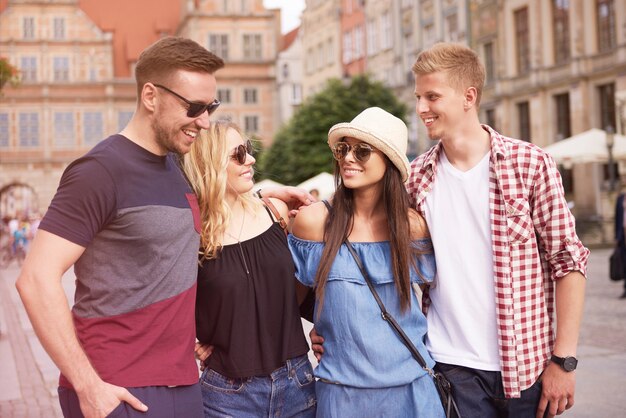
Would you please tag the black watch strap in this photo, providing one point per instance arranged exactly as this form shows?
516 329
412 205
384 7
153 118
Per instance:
568 364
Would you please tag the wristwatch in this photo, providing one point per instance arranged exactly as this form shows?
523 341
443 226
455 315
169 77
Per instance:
567 363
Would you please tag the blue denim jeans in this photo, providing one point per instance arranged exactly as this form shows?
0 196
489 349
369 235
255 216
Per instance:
480 393
288 391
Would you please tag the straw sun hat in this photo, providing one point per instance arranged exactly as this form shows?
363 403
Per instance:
381 130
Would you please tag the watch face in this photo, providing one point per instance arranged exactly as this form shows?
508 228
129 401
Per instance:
570 364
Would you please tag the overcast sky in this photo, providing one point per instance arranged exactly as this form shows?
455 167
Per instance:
291 10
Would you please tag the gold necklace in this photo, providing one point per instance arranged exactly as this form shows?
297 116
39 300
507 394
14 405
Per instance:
238 238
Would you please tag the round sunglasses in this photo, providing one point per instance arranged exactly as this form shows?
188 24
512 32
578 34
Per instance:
240 153
195 109
360 151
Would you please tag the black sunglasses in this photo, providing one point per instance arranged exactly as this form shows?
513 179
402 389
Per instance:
240 154
195 109
361 151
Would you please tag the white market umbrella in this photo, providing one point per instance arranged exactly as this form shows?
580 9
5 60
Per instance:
266 183
587 147
323 182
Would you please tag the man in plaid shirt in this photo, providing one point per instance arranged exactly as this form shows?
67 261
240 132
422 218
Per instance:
510 266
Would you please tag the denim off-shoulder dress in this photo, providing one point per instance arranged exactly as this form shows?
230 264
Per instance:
366 370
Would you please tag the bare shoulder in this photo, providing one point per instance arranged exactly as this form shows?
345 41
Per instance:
309 222
419 229
281 207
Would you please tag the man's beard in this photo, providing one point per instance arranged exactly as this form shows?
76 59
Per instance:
162 137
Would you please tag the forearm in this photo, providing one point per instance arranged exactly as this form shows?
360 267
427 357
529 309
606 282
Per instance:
570 297
49 313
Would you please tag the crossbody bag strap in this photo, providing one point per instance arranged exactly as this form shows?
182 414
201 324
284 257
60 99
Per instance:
279 218
386 315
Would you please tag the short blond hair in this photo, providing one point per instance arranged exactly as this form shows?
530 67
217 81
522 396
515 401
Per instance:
461 64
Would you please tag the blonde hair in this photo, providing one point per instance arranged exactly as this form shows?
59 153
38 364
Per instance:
205 167
461 64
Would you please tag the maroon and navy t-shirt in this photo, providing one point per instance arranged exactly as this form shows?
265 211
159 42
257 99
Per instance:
138 220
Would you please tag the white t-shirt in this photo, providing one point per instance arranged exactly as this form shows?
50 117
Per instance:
462 327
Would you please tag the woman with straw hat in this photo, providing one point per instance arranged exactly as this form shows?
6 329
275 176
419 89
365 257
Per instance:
366 369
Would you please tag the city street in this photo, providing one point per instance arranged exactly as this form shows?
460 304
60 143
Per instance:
28 378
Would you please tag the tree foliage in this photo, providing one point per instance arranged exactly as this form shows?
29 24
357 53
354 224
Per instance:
300 150
8 73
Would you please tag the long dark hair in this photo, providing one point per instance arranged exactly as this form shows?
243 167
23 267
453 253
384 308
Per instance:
340 222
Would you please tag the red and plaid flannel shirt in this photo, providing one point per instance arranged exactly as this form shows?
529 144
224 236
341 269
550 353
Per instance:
534 242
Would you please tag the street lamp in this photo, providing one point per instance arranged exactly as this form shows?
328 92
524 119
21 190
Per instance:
610 141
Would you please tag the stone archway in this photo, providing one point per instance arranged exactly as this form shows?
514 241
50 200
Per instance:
18 199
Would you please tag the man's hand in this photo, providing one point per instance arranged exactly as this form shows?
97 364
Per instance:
203 351
100 400
316 344
557 391
294 197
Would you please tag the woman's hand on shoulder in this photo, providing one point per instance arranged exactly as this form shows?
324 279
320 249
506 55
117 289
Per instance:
419 229
310 221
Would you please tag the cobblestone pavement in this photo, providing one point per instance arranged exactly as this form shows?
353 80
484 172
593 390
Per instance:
28 378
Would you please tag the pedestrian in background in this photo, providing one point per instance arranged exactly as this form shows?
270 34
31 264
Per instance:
367 371
124 216
620 235
246 307
504 316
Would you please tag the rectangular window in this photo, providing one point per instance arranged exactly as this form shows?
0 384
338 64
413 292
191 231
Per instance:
28 69
28 28
522 40
58 25
61 69
245 7
29 129
523 116
452 27
223 95
429 35
64 130
606 96
218 44
92 128
348 6
296 94
385 31
330 52
605 11
371 37
490 118
252 47
123 118
320 56
251 123
563 123
490 71
347 47
358 42
4 130
560 25
250 96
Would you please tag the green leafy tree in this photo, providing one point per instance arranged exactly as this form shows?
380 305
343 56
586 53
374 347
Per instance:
300 150
8 73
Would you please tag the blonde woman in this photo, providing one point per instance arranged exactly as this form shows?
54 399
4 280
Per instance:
246 306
